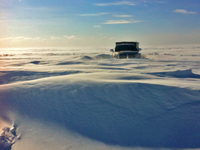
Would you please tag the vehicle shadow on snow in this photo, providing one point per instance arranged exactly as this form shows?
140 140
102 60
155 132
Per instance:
116 114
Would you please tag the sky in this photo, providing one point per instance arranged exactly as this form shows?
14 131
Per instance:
99 23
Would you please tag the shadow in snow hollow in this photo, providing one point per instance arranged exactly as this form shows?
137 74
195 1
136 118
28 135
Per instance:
125 114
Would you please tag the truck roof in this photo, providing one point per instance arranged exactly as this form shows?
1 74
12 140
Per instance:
125 42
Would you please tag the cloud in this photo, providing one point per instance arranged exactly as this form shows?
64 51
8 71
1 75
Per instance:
129 3
97 26
122 21
36 39
153 1
22 38
123 16
182 11
5 39
19 38
98 14
72 37
116 3
54 38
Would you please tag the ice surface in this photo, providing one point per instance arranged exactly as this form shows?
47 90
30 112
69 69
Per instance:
85 99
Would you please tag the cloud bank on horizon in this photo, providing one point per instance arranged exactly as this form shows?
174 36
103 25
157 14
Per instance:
151 22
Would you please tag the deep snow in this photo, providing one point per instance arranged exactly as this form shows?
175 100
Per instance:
84 99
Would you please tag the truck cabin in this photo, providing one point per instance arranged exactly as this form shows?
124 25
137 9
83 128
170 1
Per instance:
127 46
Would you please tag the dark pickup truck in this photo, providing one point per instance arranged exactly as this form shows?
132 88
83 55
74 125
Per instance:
126 50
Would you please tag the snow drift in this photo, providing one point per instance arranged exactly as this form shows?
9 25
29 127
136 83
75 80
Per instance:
67 99
125 114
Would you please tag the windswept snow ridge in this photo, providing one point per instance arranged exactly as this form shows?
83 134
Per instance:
178 74
125 114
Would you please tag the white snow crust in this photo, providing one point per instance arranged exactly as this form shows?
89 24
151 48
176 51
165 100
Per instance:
75 99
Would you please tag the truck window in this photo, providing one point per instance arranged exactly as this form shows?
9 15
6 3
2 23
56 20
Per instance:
125 48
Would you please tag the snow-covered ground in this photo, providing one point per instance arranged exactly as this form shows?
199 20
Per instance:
83 99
